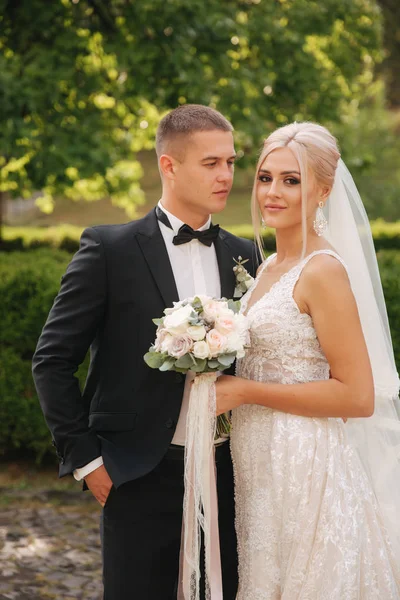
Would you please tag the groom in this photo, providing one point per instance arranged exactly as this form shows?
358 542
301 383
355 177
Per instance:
124 435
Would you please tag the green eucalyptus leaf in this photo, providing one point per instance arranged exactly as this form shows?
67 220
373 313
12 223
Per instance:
213 364
185 362
168 364
227 359
234 305
195 320
158 321
197 304
154 359
200 365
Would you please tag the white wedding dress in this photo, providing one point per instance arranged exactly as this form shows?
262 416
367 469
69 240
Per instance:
308 523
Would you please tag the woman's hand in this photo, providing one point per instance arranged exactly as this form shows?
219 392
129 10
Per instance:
231 393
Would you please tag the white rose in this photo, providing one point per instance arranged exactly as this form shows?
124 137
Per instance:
201 350
235 343
216 342
175 306
178 321
180 345
196 332
241 325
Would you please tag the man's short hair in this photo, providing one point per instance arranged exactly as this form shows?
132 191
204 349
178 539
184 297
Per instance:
186 120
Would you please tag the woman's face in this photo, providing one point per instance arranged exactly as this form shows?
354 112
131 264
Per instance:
278 190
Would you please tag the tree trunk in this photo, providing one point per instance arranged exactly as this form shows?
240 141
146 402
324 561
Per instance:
391 64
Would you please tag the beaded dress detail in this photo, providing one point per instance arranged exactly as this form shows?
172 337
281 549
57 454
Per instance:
307 520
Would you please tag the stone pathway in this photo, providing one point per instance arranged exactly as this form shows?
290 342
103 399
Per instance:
49 546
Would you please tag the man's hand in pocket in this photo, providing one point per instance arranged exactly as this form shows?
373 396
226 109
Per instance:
100 484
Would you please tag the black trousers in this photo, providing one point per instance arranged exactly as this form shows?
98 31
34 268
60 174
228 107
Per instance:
141 531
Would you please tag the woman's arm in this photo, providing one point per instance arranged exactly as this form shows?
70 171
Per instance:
324 292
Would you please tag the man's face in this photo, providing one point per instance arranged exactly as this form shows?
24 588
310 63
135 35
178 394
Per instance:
204 175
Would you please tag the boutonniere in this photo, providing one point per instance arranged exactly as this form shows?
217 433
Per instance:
243 278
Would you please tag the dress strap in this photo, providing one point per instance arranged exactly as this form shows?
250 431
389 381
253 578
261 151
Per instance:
302 264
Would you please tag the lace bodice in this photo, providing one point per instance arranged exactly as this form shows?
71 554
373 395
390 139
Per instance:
284 347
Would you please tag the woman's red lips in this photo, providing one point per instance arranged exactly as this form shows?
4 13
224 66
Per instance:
275 207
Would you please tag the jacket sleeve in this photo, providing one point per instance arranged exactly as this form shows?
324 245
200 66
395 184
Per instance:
69 330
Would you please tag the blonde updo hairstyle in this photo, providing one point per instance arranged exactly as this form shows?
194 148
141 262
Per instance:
315 148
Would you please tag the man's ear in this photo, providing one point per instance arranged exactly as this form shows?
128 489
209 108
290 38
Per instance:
168 166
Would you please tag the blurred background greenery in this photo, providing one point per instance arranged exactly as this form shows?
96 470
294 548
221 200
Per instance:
83 84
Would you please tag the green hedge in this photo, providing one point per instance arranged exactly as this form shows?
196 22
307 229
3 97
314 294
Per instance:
28 283
66 237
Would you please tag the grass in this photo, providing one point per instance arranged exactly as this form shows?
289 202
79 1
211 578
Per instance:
24 475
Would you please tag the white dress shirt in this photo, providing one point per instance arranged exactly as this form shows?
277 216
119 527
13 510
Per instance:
195 270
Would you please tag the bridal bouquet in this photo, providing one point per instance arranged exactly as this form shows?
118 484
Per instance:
199 334
202 335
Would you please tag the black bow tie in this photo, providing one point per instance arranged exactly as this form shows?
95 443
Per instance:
186 233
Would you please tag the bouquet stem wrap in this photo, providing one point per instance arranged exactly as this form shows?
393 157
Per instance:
200 504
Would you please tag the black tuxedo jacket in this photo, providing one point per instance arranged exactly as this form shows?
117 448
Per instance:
118 281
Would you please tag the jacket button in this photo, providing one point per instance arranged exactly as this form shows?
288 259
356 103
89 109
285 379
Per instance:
169 424
178 377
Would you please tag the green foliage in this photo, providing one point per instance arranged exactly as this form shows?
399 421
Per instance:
386 235
389 266
391 65
29 282
21 421
370 145
83 84
63 237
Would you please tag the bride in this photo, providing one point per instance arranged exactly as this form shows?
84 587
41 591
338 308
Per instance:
317 477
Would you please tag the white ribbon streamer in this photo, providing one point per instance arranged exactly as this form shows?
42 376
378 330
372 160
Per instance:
200 504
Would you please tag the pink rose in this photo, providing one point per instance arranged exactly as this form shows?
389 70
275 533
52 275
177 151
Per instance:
163 340
180 345
212 309
225 324
216 342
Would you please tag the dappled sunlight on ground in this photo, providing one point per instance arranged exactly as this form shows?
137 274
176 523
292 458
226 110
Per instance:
49 549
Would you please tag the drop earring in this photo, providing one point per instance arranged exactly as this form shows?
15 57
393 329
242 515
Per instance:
320 224
263 225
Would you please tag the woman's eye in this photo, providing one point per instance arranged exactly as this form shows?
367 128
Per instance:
264 178
292 181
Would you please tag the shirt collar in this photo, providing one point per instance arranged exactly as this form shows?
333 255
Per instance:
177 223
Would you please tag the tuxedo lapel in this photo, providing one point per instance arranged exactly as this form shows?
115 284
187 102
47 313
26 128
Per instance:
225 265
155 253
